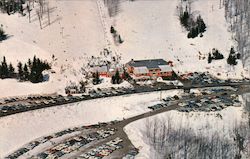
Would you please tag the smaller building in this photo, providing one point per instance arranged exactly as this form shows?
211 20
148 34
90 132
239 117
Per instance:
152 68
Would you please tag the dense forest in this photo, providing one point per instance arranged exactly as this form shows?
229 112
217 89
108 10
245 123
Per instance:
237 13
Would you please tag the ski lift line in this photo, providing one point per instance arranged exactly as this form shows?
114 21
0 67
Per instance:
104 25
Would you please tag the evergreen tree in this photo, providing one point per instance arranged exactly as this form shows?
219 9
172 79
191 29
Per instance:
112 30
36 70
201 25
20 70
3 36
184 18
33 73
193 32
5 71
198 27
238 56
232 57
120 39
1 75
209 58
116 79
29 63
26 72
126 75
11 70
217 55
232 52
113 80
96 78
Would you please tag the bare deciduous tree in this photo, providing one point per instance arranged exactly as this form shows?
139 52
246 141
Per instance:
39 18
48 12
182 142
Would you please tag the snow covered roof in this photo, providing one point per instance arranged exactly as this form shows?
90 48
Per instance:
165 68
150 64
140 70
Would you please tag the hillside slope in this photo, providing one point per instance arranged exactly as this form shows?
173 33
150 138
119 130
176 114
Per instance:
80 29
151 29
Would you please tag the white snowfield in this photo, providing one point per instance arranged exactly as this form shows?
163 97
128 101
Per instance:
80 29
19 129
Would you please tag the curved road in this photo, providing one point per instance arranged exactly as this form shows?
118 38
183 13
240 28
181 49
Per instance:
127 145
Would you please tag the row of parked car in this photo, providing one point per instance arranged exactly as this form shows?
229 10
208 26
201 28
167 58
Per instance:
37 102
218 90
166 102
27 98
213 103
73 144
131 154
103 150
206 78
106 92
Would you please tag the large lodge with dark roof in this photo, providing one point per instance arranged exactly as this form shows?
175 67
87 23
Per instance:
152 68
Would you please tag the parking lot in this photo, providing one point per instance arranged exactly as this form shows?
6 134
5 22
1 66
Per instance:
203 100
65 141
93 142
14 105
213 103
73 144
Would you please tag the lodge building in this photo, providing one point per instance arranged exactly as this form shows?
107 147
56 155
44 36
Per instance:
151 68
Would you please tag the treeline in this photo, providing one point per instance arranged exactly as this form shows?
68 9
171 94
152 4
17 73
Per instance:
6 70
29 71
237 13
12 6
194 26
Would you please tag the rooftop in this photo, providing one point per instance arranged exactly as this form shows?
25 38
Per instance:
150 64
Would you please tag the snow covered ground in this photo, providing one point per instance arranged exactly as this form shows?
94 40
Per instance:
80 29
17 130
200 122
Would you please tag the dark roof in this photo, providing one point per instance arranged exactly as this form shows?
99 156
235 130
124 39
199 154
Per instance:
150 64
